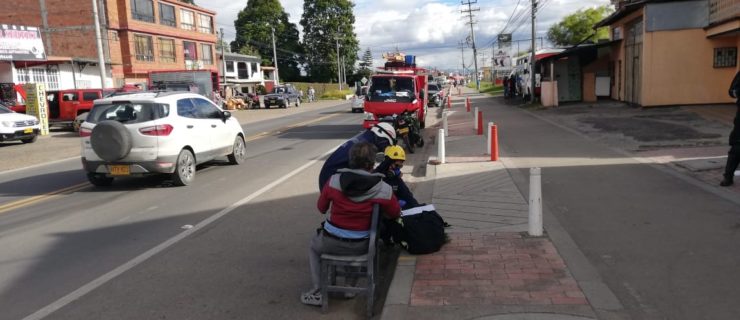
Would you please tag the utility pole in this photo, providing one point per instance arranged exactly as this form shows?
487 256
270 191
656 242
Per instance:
472 34
274 55
339 65
462 54
99 44
532 60
223 57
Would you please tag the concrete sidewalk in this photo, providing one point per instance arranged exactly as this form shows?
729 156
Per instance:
491 268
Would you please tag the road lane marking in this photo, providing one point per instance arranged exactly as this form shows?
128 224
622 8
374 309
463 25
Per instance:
92 285
35 199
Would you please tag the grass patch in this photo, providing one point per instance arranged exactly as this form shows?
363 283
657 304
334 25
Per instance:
487 87
335 94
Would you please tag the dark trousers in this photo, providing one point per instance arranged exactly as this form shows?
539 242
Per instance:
733 160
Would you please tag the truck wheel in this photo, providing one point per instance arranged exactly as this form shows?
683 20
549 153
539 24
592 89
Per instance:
267 106
185 169
285 104
408 144
29 140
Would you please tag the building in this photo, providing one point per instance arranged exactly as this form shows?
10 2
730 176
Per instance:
673 52
138 36
243 72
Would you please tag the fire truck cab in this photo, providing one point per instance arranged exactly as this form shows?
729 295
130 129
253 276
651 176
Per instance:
397 87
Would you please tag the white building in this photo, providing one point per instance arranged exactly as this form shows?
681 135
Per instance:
243 73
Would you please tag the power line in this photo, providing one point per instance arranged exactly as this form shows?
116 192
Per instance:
469 13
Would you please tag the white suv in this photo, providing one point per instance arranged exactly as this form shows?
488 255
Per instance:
157 133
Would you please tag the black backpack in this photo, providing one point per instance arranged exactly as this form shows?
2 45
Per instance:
423 232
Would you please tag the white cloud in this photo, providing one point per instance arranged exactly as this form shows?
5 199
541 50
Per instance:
428 29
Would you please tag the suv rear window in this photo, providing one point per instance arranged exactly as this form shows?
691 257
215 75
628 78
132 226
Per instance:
90 96
128 112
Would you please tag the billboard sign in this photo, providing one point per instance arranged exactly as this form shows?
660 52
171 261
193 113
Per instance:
21 43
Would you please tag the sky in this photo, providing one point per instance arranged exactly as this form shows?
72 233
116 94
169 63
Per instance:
430 30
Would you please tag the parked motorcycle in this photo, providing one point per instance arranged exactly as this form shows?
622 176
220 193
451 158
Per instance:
408 130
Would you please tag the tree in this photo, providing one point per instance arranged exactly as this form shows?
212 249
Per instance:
578 27
188 1
324 23
366 66
254 36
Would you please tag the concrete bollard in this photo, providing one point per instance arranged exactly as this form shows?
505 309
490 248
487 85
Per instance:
441 146
535 202
449 102
467 104
475 119
490 136
444 124
494 143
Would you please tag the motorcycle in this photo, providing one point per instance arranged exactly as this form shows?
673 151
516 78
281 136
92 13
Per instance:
407 129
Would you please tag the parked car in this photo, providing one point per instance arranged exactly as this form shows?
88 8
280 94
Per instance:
358 100
434 98
157 133
17 126
282 96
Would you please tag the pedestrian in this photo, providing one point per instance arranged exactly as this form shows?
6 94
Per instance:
311 94
390 167
350 195
506 87
733 156
381 135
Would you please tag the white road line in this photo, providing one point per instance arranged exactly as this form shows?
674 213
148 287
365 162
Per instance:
92 285
39 165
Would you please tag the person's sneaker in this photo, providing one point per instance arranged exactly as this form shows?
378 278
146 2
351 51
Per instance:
311 298
726 182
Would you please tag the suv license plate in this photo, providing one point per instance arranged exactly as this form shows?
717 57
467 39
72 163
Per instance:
119 170
29 130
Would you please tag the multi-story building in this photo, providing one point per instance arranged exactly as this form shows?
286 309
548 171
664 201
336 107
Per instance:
138 36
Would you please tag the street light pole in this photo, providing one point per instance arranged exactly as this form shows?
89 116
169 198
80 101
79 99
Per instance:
99 44
274 55
223 58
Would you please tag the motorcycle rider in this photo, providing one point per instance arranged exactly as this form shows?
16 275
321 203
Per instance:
381 135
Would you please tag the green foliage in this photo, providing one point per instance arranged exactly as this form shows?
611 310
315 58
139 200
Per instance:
324 23
320 88
254 36
488 87
261 90
578 27
188 1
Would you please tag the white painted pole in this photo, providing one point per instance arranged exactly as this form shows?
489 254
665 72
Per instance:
441 146
488 145
444 123
475 119
535 202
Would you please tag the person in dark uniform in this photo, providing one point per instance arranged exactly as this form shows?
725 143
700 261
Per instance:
733 156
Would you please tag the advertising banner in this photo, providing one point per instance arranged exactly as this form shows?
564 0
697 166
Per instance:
36 105
21 43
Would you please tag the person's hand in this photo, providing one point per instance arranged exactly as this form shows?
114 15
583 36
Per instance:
401 203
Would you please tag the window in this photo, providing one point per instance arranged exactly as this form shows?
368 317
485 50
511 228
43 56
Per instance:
206 53
189 50
229 66
48 77
725 57
205 23
166 50
142 10
143 48
71 96
90 96
187 21
185 108
206 110
167 15
128 112
23 76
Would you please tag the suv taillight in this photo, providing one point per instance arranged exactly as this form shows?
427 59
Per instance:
85 132
158 130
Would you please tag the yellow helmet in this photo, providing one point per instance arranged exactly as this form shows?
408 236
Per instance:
395 153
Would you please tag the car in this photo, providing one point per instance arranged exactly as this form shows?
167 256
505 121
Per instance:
434 97
17 126
282 96
154 133
358 100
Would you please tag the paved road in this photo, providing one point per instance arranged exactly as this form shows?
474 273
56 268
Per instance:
665 244
122 253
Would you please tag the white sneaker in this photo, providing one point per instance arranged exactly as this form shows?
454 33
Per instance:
311 298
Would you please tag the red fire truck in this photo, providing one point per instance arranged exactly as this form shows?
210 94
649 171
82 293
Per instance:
397 87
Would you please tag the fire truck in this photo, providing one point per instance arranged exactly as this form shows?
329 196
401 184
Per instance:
397 87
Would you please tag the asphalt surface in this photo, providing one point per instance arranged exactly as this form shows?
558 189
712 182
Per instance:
231 246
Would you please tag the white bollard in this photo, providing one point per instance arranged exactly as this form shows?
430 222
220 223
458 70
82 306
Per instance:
488 145
475 119
441 146
535 202
444 123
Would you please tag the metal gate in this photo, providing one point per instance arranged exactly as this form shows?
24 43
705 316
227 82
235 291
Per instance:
633 72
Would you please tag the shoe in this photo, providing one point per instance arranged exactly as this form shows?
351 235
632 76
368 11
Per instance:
726 182
311 298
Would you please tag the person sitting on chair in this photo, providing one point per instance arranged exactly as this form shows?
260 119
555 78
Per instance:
351 194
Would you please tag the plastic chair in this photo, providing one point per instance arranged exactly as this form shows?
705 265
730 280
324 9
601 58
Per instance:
367 263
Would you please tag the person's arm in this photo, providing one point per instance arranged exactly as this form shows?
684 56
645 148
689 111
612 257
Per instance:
735 86
324 201
390 208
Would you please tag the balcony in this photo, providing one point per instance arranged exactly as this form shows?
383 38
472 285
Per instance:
723 10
